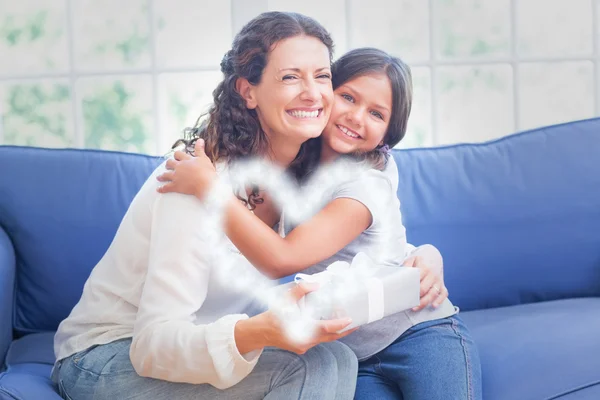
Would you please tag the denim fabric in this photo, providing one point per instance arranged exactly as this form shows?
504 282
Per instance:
433 360
327 371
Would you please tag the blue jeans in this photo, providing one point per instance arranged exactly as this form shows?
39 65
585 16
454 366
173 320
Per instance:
434 360
327 371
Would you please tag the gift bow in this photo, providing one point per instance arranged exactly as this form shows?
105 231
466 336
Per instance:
360 272
338 269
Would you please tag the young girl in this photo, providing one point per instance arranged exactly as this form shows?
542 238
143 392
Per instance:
153 321
423 354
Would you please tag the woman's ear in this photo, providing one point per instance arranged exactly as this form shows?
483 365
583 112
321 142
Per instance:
246 90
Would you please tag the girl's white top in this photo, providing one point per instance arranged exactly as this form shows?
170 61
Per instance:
384 241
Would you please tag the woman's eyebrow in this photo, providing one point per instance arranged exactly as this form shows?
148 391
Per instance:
299 70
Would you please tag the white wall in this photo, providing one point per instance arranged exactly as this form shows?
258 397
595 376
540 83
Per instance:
129 75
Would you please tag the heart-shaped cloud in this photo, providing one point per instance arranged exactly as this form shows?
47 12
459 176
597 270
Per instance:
299 203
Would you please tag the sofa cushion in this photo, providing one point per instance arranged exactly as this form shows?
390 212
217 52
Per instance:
27 382
516 219
35 348
61 209
538 351
29 361
7 288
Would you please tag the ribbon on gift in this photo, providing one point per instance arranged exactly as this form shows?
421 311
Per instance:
338 269
358 273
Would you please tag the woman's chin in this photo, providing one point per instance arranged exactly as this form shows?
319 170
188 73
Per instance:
308 134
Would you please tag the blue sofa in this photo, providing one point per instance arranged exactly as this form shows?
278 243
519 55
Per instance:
517 220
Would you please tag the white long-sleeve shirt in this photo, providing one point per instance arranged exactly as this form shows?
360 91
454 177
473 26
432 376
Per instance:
157 285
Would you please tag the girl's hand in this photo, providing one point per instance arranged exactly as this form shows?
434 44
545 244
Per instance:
433 290
276 334
188 175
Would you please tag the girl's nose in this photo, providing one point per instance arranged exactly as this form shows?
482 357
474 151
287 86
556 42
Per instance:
356 117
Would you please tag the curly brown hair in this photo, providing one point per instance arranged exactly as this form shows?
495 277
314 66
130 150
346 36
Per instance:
232 131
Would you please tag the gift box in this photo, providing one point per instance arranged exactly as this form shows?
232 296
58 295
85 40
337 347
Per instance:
361 291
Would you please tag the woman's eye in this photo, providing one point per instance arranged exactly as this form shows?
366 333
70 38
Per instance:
289 77
348 97
324 76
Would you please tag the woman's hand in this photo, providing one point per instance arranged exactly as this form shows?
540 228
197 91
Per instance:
188 175
433 291
271 330
278 335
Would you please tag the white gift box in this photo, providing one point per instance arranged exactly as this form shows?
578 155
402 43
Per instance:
361 291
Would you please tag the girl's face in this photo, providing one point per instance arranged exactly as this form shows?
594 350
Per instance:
294 97
360 115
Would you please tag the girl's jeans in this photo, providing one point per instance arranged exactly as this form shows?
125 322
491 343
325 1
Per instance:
434 360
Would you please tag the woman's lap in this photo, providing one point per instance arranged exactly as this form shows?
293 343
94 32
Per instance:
106 372
432 360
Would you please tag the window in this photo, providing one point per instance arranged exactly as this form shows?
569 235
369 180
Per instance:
130 75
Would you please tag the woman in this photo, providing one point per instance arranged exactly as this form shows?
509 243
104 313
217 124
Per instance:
400 354
153 320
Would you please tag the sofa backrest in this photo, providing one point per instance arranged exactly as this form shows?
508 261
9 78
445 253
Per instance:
517 219
61 209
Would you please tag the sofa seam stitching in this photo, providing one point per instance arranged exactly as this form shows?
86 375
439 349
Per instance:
2 390
574 390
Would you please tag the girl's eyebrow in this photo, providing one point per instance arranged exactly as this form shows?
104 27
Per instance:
382 108
349 88
355 93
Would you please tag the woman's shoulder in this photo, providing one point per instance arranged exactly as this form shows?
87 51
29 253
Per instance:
149 198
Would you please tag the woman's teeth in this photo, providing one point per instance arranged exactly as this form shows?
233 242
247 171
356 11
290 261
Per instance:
304 114
347 132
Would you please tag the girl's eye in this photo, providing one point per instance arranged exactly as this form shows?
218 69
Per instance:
348 97
377 114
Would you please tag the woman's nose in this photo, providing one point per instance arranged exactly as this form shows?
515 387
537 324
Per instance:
310 91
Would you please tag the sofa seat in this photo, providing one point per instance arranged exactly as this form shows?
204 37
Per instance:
547 350
29 364
557 339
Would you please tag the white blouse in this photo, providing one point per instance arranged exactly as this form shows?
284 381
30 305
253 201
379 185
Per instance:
158 285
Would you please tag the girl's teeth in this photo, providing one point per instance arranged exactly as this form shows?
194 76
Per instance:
304 114
347 132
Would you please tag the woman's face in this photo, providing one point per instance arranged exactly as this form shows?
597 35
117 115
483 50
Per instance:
294 97
360 115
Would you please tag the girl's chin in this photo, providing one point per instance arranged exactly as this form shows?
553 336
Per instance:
342 148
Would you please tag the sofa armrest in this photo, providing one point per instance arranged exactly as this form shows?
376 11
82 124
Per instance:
7 288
